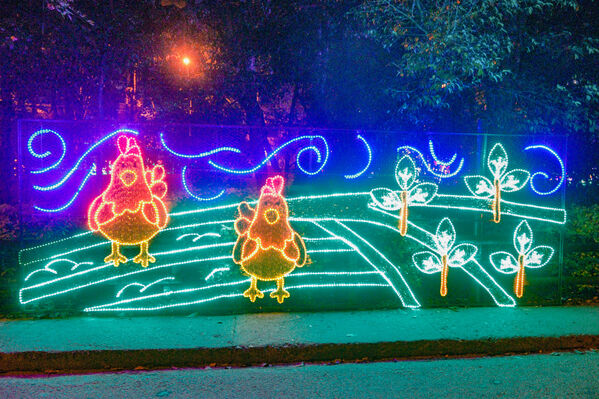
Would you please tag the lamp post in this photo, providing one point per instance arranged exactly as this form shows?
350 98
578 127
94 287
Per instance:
186 62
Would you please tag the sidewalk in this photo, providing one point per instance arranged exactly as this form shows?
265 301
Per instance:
99 343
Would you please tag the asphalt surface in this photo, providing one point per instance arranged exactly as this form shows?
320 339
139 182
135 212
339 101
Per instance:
560 375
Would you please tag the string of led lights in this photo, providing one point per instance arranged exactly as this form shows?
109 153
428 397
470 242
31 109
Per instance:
45 154
365 168
431 149
545 175
73 198
192 195
428 167
201 154
81 158
319 158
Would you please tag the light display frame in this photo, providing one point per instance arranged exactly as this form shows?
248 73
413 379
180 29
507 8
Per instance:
338 225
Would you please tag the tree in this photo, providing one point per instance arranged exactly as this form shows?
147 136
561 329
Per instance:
516 66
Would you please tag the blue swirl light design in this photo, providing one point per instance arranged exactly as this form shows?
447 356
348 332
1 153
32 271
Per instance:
86 153
201 154
319 157
428 167
431 149
65 206
184 180
365 168
40 133
545 175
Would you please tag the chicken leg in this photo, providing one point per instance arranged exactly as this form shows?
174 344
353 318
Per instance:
144 257
280 293
115 256
253 291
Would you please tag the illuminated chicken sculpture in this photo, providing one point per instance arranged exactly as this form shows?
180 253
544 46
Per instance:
130 211
267 248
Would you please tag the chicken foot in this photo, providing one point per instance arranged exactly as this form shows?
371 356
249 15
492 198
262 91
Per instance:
115 256
144 257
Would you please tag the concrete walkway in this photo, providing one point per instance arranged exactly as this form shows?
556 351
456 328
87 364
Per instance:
100 343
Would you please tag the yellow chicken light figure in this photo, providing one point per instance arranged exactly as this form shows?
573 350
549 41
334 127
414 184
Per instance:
267 248
130 211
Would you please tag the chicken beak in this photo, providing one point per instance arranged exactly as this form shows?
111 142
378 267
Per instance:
271 215
128 177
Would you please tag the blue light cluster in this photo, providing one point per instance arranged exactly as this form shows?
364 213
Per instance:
428 167
201 154
81 158
365 168
545 175
186 187
35 154
65 206
319 158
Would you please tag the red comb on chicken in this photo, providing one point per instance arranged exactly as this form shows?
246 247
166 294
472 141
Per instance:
130 211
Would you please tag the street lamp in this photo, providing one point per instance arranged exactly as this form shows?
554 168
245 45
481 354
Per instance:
186 62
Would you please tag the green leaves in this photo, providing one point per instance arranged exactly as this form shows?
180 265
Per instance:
514 180
480 186
523 237
405 172
497 160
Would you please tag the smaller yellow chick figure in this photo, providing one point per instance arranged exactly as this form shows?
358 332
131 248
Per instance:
267 248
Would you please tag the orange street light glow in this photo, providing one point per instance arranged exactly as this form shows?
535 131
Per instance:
186 61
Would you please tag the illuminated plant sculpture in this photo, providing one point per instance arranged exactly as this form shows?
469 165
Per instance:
513 180
533 258
130 211
447 255
406 176
267 248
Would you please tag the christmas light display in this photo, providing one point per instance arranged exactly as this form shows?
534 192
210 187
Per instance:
321 159
513 180
562 175
534 258
130 211
365 168
40 133
447 255
444 165
354 236
267 248
406 176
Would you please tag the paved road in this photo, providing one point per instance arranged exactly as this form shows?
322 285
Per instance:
563 375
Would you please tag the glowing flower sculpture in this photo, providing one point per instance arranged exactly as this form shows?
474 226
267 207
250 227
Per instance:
533 258
446 254
503 181
406 176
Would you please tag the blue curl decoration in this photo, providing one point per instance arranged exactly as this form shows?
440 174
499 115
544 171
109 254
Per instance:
431 149
365 168
319 158
428 167
184 180
45 154
545 175
62 208
200 155
86 153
